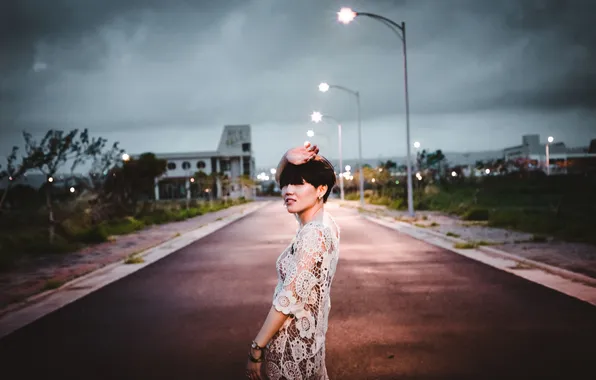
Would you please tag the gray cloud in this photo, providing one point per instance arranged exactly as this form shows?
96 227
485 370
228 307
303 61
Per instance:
139 65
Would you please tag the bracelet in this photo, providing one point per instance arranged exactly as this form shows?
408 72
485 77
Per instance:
252 358
256 346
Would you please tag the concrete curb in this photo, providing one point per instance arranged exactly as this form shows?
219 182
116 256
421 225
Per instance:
493 251
35 307
570 283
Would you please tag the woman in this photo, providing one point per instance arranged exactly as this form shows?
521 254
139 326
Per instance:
291 342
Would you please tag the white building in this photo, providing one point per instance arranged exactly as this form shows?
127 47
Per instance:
534 152
232 159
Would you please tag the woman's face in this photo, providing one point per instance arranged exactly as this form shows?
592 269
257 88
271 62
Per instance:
298 198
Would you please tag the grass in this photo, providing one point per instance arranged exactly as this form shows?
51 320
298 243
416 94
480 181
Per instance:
133 259
52 284
472 244
464 246
75 231
452 234
561 207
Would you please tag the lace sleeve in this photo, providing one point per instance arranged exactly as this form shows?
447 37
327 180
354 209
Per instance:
303 282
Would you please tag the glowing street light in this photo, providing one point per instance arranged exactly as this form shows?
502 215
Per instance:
72 189
416 144
316 117
487 171
324 87
550 140
346 15
273 171
453 174
51 179
125 157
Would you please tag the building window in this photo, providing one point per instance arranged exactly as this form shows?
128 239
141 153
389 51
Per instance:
186 165
246 147
171 166
201 165
224 166
246 166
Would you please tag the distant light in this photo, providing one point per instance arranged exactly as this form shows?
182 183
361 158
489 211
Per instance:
10 178
51 179
125 157
316 117
346 15
397 182
551 139
348 168
192 180
374 180
380 169
416 145
487 171
72 189
323 87
273 171
310 133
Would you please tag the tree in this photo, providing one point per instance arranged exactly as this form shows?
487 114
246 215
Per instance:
126 184
103 163
53 152
14 170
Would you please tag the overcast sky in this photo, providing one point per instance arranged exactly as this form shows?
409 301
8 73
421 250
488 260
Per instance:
165 76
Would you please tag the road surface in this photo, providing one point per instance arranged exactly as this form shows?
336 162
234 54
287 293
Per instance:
402 309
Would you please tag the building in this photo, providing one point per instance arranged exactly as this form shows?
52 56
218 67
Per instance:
561 158
232 159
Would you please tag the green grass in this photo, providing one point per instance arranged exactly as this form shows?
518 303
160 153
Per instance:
53 284
76 230
452 234
133 259
563 207
464 246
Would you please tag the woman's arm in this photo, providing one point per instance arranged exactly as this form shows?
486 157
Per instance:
273 323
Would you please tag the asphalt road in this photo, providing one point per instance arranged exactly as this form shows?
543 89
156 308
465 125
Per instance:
402 309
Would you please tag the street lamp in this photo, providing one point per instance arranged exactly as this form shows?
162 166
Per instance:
319 116
550 140
125 157
347 15
324 87
416 144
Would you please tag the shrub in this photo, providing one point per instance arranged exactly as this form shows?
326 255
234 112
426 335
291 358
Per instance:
479 214
93 235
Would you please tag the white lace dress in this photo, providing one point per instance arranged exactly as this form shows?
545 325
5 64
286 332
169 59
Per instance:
305 272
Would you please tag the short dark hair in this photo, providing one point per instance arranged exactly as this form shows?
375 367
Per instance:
318 171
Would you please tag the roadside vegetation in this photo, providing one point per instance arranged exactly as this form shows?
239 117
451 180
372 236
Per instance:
68 211
512 197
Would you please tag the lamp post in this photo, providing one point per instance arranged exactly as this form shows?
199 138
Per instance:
345 16
550 140
324 87
318 117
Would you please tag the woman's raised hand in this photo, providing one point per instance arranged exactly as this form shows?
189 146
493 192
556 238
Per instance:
302 154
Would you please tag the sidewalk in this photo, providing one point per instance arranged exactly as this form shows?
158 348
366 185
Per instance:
574 257
53 271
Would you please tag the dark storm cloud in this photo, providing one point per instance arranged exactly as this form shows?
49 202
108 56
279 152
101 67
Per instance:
124 65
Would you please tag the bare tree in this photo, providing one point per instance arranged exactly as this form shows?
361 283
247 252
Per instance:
53 152
14 170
